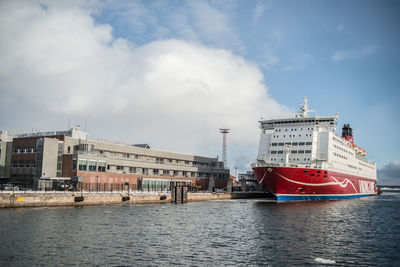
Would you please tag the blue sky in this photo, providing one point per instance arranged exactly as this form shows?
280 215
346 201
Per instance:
343 55
257 58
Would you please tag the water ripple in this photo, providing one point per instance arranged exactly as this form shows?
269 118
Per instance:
229 233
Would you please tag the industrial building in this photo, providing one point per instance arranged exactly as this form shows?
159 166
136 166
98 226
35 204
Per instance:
103 165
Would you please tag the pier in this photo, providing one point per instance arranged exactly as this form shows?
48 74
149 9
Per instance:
58 198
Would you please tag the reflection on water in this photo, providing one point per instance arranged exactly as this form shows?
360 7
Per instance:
235 232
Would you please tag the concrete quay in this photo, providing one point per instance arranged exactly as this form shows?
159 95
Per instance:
48 199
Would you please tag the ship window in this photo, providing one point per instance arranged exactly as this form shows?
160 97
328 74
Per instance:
306 171
308 143
308 151
325 172
295 144
273 152
294 152
288 143
301 144
301 152
280 152
280 144
318 171
312 174
274 144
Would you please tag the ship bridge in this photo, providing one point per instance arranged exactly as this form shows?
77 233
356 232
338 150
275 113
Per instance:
321 121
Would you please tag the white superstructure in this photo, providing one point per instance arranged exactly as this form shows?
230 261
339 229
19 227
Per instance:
305 141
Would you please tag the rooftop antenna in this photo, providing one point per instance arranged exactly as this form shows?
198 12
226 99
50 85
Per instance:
224 132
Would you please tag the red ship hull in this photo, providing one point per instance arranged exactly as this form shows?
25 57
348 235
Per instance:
297 184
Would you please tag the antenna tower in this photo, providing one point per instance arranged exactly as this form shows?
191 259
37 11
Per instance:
224 131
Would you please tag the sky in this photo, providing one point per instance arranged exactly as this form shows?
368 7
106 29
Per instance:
171 73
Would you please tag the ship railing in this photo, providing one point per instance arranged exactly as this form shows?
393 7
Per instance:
365 160
263 164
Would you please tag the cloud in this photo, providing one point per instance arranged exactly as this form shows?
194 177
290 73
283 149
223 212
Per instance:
212 25
58 62
207 21
258 11
270 54
354 54
299 61
389 174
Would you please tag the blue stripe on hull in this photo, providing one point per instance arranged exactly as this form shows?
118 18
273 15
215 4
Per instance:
318 197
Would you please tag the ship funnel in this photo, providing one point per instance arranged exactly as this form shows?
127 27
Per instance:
347 133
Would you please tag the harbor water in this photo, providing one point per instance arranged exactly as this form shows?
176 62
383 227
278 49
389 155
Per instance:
256 232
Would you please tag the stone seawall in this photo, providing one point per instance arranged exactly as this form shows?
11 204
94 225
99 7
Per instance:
9 200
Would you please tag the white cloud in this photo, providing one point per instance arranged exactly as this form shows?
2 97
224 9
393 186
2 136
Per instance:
270 54
213 25
354 54
172 94
258 11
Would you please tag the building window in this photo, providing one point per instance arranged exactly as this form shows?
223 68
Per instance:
69 149
92 165
155 171
119 168
101 166
74 164
132 169
82 164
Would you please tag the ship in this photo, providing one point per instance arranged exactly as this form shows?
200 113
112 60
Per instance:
302 158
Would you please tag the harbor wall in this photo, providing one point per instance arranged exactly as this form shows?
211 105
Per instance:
10 200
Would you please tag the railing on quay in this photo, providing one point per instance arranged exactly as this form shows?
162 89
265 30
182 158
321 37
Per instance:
88 188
